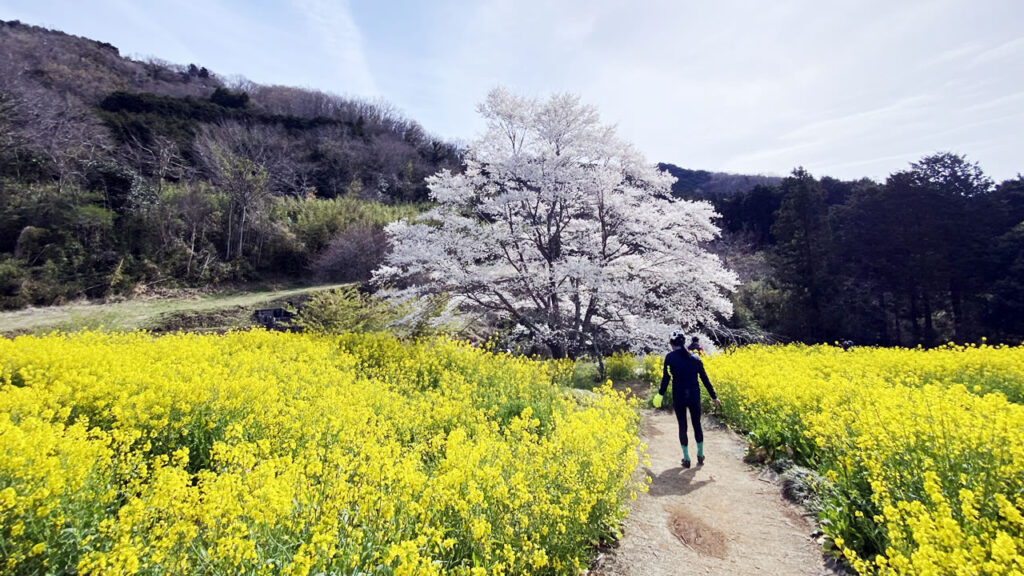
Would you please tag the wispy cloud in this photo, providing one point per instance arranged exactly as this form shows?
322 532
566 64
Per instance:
334 24
1009 49
999 102
861 121
873 161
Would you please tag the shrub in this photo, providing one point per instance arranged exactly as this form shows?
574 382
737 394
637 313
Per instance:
349 309
585 375
345 309
620 366
652 368
352 255
11 277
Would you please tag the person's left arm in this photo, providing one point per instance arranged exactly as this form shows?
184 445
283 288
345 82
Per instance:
707 384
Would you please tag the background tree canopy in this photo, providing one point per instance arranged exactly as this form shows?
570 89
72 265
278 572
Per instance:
927 257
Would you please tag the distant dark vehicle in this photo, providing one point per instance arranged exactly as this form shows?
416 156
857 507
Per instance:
273 318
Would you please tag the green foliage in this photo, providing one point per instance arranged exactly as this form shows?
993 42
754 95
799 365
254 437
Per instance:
143 115
756 304
57 246
652 368
919 259
345 310
337 239
620 366
1007 305
228 99
315 221
585 375
801 255
11 277
751 214
348 309
60 245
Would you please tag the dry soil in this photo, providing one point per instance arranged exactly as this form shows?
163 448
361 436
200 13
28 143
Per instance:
721 518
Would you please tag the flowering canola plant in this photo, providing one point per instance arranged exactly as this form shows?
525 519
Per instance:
269 453
922 451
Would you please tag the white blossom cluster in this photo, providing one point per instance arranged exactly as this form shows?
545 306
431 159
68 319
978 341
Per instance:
563 229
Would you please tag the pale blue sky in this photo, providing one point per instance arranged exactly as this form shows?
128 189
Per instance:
844 88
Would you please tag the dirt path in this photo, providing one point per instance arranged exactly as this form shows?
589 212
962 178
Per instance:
722 518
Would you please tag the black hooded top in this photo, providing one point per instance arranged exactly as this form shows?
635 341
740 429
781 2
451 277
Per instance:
685 368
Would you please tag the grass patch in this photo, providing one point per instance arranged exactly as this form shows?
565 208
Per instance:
216 311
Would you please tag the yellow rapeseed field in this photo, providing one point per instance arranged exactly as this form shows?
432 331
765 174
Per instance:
922 451
269 453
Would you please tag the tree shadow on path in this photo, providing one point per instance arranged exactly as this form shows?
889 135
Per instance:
676 481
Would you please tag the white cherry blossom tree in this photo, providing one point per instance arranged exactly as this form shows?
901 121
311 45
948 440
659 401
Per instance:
562 230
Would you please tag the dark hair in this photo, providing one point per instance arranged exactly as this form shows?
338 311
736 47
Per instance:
678 341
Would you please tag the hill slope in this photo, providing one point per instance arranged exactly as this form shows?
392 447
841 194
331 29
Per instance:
116 173
713 185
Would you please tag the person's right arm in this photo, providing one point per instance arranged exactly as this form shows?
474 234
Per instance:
664 379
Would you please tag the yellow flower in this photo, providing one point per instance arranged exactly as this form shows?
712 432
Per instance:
928 444
267 453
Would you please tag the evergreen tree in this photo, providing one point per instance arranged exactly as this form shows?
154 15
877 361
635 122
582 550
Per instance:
801 256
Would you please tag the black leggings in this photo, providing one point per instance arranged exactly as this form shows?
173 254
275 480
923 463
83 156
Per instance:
698 432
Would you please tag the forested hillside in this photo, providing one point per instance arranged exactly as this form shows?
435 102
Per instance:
933 254
704 185
116 174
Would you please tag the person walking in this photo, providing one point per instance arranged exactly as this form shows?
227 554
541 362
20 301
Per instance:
695 348
683 369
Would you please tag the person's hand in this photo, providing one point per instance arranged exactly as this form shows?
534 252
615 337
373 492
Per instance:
718 403
657 400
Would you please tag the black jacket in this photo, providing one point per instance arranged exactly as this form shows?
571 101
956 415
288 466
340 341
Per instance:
684 369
